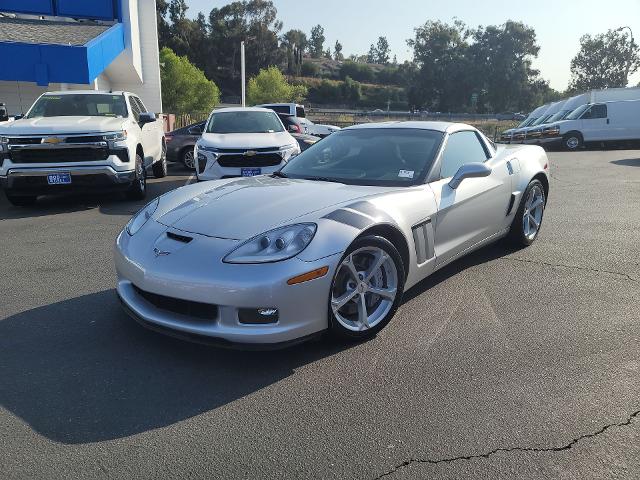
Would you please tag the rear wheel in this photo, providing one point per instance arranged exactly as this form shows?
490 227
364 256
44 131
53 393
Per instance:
367 289
528 220
21 200
572 141
188 159
138 189
160 168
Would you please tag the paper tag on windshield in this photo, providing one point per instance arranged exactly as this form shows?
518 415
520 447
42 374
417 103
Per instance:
406 174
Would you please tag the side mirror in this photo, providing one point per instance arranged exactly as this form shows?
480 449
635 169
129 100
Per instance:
469 170
147 117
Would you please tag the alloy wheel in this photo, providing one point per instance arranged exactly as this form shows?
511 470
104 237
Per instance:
364 289
533 211
189 160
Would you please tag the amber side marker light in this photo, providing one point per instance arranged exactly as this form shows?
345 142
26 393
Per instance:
306 277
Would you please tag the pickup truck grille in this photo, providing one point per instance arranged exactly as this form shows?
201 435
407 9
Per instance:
58 155
258 160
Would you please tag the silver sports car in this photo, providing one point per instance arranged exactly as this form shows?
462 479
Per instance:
332 240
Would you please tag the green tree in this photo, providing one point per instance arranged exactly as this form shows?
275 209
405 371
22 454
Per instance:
185 88
604 61
372 56
383 51
317 41
500 60
310 69
357 71
337 52
270 85
295 43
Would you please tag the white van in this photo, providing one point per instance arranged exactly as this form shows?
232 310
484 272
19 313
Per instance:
292 109
596 122
508 135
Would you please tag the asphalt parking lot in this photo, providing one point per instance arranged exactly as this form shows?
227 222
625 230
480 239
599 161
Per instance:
507 364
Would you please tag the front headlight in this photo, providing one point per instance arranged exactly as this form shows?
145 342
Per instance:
274 246
4 141
289 151
140 218
116 137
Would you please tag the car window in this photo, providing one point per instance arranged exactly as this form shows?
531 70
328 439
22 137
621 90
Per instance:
143 109
300 112
135 109
196 129
244 122
596 111
103 105
462 148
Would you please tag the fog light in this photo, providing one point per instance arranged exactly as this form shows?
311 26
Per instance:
202 162
258 316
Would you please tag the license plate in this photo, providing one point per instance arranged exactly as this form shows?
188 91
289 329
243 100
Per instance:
59 179
251 172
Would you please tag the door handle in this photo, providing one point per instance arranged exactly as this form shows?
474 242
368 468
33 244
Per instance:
510 167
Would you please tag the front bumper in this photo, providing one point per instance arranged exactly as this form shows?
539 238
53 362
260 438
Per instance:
194 273
33 180
213 171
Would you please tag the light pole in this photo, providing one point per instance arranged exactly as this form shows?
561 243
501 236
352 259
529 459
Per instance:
243 74
630 59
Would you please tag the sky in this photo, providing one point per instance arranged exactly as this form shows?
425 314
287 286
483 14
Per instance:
357 24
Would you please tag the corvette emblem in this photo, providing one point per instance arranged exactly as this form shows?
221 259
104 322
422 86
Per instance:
52 140
250 153
160 253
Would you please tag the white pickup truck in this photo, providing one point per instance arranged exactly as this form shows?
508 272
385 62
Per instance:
81 141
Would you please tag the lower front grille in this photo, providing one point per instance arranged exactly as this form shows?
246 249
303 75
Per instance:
204 311
259 160
59 155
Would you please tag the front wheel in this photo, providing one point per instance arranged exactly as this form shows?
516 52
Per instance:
367 289
188 159
138 189
572 141
528 220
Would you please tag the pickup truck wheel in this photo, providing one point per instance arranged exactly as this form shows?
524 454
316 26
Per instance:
160 167
138 189
21 201
572 141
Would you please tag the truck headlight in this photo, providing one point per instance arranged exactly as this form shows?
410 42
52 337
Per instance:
116 136
140 218
274 246
552 131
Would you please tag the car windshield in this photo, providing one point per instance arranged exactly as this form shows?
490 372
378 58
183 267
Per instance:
371 156
577 113
526 123
561 115
244 122
71 105
541 120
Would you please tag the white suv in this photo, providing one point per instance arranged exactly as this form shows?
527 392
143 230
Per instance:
81 140
243 142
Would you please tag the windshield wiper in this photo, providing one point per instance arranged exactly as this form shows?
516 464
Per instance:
279 174
322 179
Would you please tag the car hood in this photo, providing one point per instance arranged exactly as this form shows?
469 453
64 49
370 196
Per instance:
62 125
243 208
247 140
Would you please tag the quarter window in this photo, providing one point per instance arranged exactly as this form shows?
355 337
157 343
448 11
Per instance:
462 148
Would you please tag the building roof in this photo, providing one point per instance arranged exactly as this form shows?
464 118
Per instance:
48 32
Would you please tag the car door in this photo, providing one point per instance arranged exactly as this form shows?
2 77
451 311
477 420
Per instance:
151 134
477 208
595 123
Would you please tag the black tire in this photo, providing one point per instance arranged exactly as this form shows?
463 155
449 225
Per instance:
572 141
184 158
160 167
336 328
517 235
21 200
138 189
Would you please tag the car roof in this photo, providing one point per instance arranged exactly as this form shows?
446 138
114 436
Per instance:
243 109
444 127
85 92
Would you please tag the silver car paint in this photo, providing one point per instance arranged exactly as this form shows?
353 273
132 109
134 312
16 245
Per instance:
438 225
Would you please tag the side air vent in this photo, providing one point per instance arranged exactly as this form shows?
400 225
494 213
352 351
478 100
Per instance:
423 240
179 238
512 201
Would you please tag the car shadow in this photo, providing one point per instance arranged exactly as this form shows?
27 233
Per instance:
627 162
109 203
82 371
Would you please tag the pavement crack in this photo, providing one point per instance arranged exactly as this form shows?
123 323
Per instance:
552 449
573 267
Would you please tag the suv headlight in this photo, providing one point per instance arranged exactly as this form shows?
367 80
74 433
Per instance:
116 137
140 218
289 151
274 246
4 141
